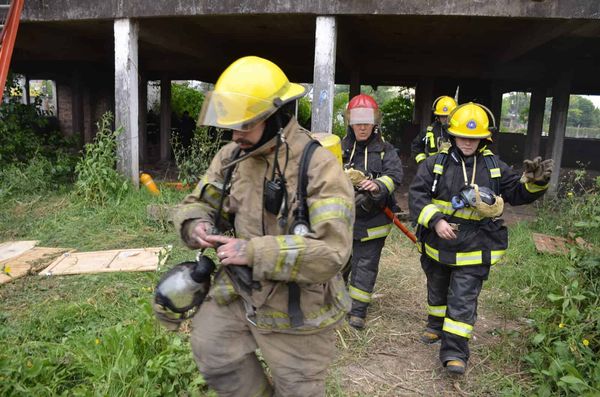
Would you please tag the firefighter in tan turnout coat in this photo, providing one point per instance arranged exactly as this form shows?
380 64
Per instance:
296 295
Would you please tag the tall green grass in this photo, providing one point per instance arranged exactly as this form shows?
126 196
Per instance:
555 298
86 335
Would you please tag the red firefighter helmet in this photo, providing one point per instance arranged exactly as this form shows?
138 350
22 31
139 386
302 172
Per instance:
362 109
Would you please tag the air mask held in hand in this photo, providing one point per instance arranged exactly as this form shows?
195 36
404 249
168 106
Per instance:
182 290
482 199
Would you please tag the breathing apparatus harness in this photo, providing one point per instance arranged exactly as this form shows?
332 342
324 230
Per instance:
487 202
275 201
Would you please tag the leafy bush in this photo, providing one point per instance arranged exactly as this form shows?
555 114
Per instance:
304 112
397 113
194 160
98 181
34 156
185 98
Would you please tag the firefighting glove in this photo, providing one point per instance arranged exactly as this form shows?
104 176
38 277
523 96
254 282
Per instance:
537 170
364 203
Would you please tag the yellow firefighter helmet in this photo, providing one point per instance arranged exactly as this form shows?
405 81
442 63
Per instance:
470 120
249 91
443 105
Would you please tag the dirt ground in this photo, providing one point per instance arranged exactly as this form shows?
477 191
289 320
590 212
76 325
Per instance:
387 359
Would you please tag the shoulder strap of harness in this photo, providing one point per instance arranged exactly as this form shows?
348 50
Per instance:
300 215
438 169
494 169
490 162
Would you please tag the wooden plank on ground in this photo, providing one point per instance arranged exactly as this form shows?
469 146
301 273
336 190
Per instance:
30 261
12 249
547 244
120 260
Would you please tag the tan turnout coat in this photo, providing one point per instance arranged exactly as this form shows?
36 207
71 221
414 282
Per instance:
277 257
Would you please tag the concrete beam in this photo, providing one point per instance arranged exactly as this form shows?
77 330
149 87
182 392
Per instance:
165 119
537 38
324 74
126 97
558 126
535 122
109 9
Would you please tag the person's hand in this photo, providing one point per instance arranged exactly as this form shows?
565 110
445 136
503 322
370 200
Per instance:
444 230
368 185
199 235
537 170
230 251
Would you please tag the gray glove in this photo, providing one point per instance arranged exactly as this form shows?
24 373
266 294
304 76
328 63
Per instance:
537 170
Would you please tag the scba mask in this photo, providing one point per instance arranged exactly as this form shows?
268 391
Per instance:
482 199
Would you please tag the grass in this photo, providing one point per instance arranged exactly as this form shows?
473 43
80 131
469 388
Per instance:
96 335
93 334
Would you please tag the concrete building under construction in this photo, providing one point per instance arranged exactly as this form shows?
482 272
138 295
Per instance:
102 54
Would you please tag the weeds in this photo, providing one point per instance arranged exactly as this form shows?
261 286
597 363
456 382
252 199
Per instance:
194 160
557 297
98 181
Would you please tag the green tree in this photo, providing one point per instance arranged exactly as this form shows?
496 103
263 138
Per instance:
582 112
184 97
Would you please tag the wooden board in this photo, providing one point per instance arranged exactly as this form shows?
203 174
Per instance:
11 249
30 261
122 260
547 244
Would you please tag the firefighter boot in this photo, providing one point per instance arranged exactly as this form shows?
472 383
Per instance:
456 367
428 337
356 322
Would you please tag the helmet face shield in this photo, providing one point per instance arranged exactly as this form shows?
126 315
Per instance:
363 116
234 111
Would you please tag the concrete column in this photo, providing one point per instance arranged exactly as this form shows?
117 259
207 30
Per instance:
495 107
354 83
423 101
558 126
535 122
27 91
127 97
143 111
165 119
324 74
77 105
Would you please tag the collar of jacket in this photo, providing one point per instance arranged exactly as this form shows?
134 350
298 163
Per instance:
375 145
455 155
269 146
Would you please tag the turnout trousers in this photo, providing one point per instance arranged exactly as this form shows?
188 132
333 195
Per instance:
225 346
452 293
364 269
